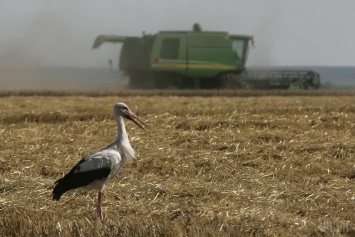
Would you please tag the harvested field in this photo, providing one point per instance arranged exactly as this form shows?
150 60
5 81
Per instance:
207 166
187 93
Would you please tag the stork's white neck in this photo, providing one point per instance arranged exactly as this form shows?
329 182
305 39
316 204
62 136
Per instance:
122 143
122 136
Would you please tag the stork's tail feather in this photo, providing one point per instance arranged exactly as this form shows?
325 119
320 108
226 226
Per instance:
56 196
59 190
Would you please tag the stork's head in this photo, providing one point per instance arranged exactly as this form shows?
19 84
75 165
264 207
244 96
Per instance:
121 109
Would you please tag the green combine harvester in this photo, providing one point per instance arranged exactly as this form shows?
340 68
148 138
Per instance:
198 59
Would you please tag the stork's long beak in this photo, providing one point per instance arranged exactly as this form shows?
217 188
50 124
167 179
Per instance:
131 116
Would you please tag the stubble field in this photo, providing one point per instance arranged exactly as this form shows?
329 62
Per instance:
207 166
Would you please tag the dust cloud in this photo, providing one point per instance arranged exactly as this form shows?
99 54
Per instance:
19 70
24 62
60 78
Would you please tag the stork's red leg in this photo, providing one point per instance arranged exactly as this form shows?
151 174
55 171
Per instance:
98 206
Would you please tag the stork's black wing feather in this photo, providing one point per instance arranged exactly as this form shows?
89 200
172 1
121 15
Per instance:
85 172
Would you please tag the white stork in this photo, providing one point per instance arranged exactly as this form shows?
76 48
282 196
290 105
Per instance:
93 171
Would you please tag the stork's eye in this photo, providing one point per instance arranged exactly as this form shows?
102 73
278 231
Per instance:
125 109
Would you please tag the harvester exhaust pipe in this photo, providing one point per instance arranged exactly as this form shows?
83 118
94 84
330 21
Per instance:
196 27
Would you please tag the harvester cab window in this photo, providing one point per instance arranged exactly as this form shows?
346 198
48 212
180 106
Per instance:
238 46
169 49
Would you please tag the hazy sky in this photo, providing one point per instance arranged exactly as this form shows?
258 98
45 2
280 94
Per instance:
286 32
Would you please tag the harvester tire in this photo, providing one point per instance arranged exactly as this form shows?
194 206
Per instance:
229 81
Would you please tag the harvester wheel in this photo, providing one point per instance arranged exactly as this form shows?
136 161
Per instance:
167 81
134 81
229 81
141 80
